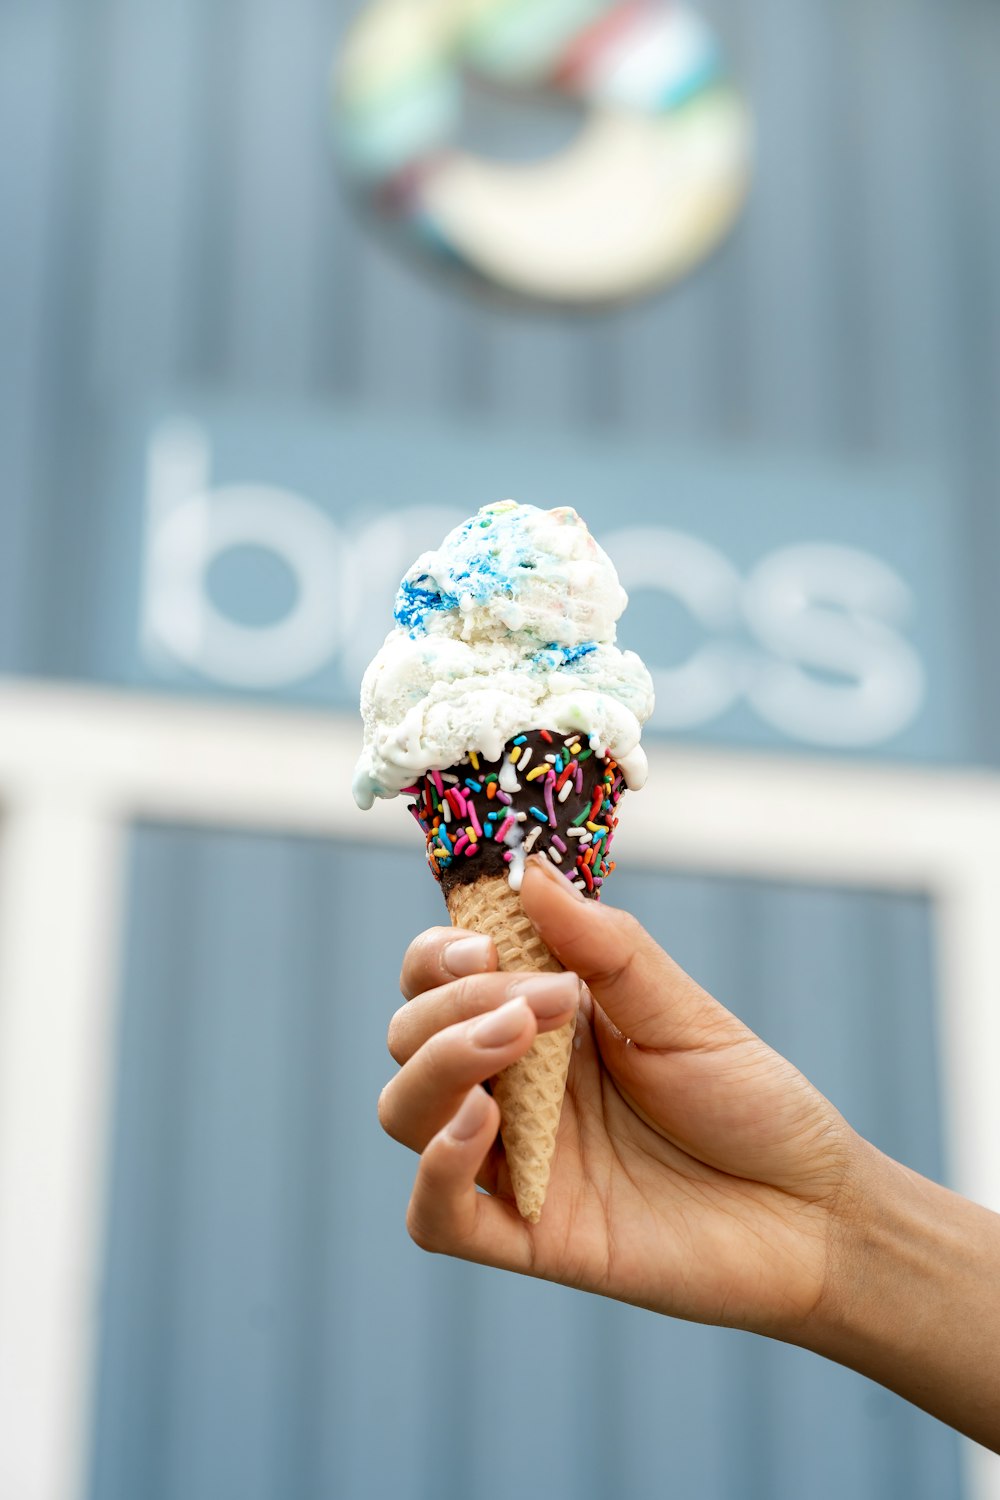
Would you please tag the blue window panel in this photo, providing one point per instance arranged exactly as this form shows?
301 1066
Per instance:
269 1328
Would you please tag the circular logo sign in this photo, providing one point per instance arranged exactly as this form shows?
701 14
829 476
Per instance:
652 182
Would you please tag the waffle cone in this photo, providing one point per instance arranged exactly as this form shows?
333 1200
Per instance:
529 1092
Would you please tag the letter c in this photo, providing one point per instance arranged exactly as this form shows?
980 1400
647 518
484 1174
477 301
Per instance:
707 584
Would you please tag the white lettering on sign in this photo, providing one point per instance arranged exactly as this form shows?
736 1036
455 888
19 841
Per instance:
823 609
826 663
191 526
813 640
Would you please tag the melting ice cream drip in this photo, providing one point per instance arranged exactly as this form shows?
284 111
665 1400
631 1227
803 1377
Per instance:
514 839
508 777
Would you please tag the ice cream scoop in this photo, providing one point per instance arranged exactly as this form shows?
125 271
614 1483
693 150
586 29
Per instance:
501 705
508 626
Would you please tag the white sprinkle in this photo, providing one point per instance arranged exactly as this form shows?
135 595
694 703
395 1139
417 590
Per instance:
532 839
452 779
552 759
446 809
575 833
526 755
521 817
567 788
555 856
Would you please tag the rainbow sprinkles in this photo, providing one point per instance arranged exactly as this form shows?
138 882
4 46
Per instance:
549 794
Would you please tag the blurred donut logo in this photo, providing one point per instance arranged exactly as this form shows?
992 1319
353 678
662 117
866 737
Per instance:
651 184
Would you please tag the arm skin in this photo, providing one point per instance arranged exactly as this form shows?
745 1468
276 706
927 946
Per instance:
697 1173
914 1296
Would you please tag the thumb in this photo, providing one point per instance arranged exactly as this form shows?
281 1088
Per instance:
644 993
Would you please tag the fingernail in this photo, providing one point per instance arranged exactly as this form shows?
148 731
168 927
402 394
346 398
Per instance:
500 1026
548 869
470 955
471 1116
550 994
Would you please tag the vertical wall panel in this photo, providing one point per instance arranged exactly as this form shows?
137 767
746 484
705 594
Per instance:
150 148
32 86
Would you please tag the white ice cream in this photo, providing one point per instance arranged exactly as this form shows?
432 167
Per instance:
508 626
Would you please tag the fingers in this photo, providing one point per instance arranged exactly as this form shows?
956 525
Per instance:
427 1090
647 996
552 997
446 1214
441 954
430 1086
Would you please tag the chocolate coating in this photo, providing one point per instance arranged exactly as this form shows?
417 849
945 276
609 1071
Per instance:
548 794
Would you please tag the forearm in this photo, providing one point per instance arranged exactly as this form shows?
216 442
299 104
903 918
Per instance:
913 1296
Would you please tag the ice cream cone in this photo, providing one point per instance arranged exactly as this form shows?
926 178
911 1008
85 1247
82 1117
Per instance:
547 794
511 621
529 1092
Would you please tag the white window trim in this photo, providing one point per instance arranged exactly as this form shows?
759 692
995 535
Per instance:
79 765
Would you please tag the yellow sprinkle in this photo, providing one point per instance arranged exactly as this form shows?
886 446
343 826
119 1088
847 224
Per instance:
474 758
597 827
515 755
542 770
576 747
473 835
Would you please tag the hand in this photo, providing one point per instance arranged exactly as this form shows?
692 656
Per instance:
697 1173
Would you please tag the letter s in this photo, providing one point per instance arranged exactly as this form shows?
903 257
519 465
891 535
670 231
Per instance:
821 609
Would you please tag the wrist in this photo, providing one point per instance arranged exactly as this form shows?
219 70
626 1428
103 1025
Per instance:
880 1248
909 1297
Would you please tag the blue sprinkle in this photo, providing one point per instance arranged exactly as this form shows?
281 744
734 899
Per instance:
536 812
520 739
563 656
417 598
476 786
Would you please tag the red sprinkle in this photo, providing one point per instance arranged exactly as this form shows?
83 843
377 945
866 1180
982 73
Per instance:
561 782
